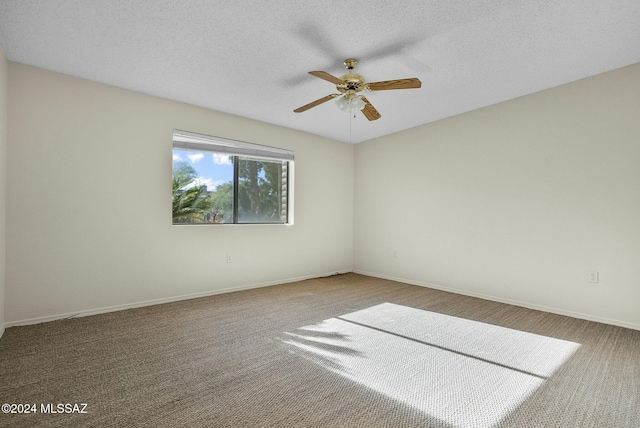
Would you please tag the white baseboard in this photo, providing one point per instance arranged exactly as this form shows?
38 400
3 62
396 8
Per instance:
284 281
527 305
115 308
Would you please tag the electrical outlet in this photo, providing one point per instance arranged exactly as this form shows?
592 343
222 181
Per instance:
594 277
229 258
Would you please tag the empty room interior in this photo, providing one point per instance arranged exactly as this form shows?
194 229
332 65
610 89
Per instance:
448 236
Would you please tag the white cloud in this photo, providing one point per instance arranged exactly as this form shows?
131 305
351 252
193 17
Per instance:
220 159
176 157
195 157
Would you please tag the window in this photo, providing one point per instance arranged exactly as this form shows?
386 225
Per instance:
220 181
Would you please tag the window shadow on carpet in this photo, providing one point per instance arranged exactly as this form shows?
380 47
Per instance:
462 372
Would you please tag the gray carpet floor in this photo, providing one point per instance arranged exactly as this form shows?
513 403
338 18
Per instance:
342 351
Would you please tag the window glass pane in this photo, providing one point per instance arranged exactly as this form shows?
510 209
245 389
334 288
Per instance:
262 191
202 187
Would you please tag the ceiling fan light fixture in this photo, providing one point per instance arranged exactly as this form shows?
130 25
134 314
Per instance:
357 103
349 104
343 103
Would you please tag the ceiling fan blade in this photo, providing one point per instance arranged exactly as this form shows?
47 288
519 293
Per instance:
369 110
326 76
412 83
315 103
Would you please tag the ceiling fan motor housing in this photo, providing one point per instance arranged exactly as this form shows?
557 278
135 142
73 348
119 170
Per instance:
353 83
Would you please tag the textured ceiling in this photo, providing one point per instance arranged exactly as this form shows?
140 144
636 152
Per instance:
251 58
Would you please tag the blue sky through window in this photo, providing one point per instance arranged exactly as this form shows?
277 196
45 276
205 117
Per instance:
213 169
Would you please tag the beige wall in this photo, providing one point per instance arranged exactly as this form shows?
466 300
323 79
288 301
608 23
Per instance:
516 202
3 180
89 218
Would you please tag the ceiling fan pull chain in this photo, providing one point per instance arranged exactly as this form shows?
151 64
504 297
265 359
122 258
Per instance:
350 133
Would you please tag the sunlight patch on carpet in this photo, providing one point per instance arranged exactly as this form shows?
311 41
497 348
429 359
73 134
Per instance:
462 372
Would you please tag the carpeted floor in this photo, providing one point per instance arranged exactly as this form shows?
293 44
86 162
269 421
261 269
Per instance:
342 351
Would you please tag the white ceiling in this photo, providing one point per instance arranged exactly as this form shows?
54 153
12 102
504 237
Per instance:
251 58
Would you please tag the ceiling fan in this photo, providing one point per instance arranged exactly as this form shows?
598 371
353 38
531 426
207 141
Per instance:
351 84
